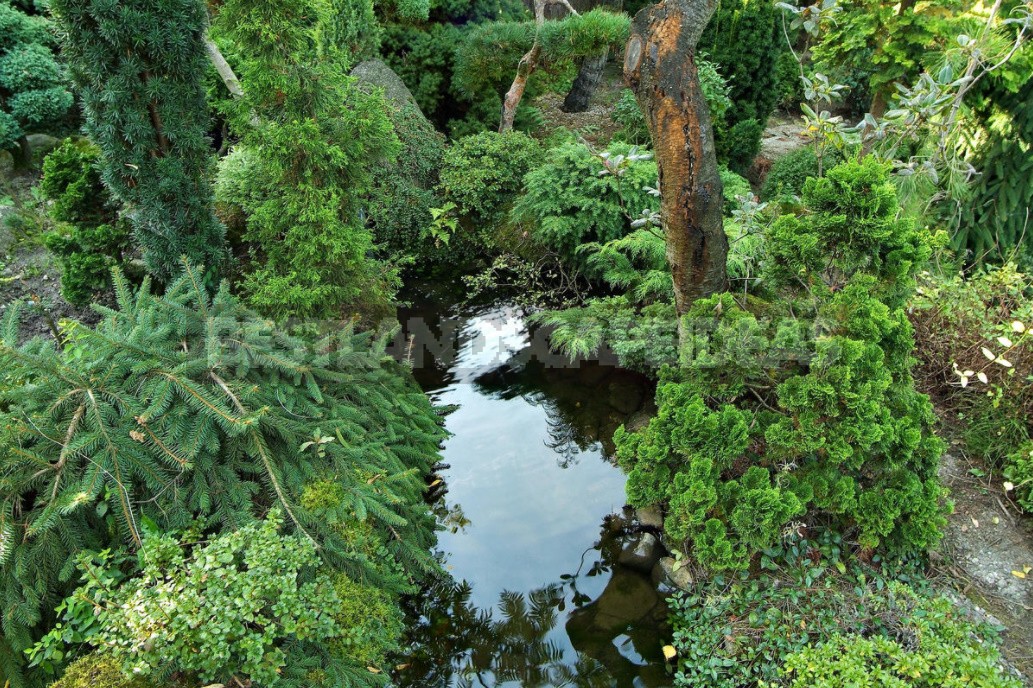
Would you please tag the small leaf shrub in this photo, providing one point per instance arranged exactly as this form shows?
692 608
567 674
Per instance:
239 605
812 616
801 408
480 173
927 644
91 238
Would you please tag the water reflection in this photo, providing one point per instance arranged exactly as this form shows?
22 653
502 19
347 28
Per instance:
536 597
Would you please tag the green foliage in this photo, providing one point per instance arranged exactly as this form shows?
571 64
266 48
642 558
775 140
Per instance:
744 40
734 186
994 221
883 44
787 175
482 172
139 67
96 671
487 58
627 113
33 87
400 202
416 55
570 200
90 238
186 407
930 645
642 338
249 603
808 413
1018 470
313 148
783 628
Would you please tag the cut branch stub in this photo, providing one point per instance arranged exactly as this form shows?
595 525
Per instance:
660 67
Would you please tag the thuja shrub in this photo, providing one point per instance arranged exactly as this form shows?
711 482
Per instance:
311 162
801 408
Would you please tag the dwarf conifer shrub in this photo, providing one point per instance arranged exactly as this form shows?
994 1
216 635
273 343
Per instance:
570 202
802 409
190 407
90 238
481 172
34 95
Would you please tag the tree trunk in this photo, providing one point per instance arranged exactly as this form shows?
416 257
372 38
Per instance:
660 67
511 101
588 78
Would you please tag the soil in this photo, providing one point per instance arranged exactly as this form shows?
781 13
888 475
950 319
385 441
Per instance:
28 272
595 125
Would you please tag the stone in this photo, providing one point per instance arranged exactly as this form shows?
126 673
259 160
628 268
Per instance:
41 144
667 574
626 397
6 166
650 517
376 73
641 552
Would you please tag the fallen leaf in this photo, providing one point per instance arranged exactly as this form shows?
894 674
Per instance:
373 670
669 652
1009 486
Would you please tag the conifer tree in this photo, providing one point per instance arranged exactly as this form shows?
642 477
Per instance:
186 409
314 137
139 66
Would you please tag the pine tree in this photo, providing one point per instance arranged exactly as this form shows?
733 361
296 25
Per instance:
139 66
186 407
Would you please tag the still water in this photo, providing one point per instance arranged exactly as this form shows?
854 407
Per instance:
530 539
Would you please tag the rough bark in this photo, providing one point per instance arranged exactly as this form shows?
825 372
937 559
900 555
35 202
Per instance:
660 67
588 77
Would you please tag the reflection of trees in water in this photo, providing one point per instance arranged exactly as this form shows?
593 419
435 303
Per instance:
465 647
457 645
580 417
